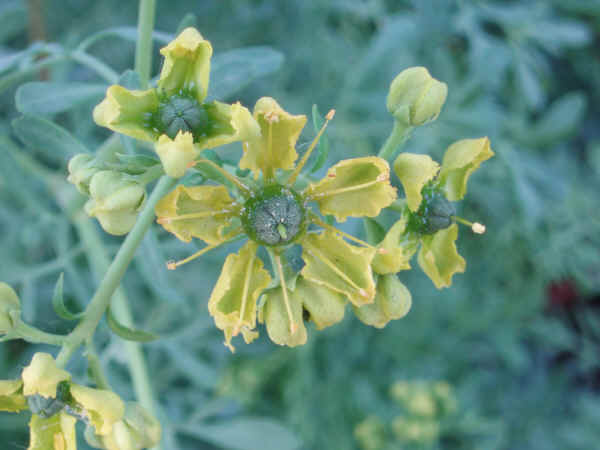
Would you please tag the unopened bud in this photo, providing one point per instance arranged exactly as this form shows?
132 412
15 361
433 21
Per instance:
115 201
81 170
9 302
415 97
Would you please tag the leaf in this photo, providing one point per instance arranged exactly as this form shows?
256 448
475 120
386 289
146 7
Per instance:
130 79
50 97
560 120
58 302
245 434
13 19
125 33
233 70
45 136
323 147
129 334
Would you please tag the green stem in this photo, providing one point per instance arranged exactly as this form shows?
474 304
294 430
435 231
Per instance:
95 367
33 335
393 144
143 49
101 299
96 65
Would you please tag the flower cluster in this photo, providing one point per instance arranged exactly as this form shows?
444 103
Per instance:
56 403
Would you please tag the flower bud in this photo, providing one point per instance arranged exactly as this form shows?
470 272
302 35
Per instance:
137 430
415 97
81 171
9 302
115 201
392 301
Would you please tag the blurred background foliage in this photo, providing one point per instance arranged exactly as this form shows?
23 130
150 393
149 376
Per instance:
516 339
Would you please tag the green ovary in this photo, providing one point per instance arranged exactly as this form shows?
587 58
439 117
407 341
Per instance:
181 113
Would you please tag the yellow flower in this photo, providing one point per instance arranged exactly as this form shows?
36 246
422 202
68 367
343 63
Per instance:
430 218
174 115
272 209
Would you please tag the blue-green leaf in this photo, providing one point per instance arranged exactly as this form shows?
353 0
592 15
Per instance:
54 97
129 334
58 302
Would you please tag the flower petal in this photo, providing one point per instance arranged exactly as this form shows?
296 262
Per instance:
397 249
208 209
274 315
56 433
187 64
229 123
104 408
177 154
333 263
274 148
439 258
460 160
414 172
232 302
42 376
128 112
393 301
355 187
325 306
11 399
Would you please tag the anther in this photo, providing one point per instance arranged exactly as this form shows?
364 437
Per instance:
476 227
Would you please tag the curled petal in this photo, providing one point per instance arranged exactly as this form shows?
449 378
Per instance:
177 154
395 251
103 408
128 112
354 188
275 315
393 301
11 399
57 432
414 171
439 258
202 212
187 64
229 123
42 376
333 263
233 300
460 160
274 148
325 306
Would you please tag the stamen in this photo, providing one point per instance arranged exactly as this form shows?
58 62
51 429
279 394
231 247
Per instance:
343 190
238 326
313 251
235 180
172 265
476 227
293 325
314 219
313 144
199 215
268 170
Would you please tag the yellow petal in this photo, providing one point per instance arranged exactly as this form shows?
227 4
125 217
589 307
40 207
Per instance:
460 160
11 399
104 408
233 300
414 171
55 433
229 123
439 258
42 376
176 155
333 263
274 148
354 188
187 64
277 320
199 211
393 301
395 251
128 112
325 306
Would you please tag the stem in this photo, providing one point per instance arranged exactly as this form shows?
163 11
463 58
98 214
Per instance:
399 135
112 279
143 49
96 65
95 367
33 335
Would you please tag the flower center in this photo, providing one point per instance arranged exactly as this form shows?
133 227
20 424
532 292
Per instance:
435 213
181 113
276 216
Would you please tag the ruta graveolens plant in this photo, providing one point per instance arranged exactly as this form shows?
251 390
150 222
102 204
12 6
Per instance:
295 265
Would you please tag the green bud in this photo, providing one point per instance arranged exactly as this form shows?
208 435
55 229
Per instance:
9 302
434 214
115 201
415 97
81 170
392 301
